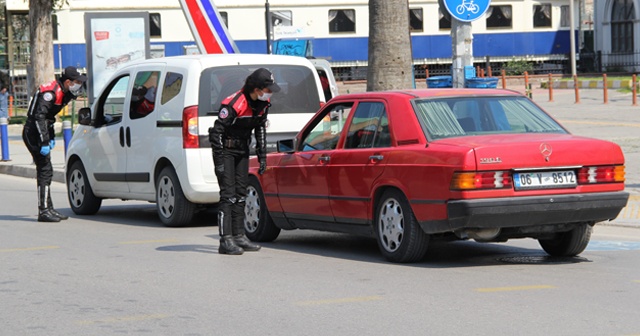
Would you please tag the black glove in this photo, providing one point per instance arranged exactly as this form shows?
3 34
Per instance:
263 166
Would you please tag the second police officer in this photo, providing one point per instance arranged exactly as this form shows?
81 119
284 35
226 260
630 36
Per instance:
38 133
240 114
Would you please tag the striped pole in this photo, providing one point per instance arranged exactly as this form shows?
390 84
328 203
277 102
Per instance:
207 27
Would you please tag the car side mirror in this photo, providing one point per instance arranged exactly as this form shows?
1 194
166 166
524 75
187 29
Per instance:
84 116
286 146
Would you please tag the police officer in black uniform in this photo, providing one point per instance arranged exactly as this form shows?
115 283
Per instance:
39 134
230 137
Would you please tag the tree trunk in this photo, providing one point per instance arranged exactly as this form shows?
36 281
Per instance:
390 58
40 70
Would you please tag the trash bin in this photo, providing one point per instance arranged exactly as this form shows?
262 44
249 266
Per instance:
481 82
439 82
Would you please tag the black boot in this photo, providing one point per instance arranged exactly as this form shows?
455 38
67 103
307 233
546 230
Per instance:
227 243
44 212
237 228
53 210
228 246
246 244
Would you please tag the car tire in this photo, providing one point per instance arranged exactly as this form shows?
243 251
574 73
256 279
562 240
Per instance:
174 209
400 237
568 244
258 224
79 191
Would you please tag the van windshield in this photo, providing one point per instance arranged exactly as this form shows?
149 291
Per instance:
298 94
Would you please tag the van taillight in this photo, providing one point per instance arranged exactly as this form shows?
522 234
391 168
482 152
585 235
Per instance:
190 127
322 104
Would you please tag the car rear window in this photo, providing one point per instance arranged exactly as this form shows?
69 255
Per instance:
465 116
299 92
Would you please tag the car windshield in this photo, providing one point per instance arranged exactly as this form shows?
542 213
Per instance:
465 116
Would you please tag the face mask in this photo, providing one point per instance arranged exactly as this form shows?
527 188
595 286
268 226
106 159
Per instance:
75 88
265 96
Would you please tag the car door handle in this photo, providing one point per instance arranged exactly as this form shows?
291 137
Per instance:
122 136
324 159
375 158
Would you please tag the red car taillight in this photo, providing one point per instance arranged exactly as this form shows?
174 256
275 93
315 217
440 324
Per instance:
601 174
481 180
190 127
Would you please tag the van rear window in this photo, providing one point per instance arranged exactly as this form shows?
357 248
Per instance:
299 92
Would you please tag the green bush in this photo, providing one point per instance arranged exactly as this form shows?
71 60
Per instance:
17 120
517 67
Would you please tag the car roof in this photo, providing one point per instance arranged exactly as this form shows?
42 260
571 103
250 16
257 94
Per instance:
428 93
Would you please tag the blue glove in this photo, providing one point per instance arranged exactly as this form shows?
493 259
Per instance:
52 143
44 150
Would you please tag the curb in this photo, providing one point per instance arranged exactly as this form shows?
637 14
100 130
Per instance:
590 84
29 172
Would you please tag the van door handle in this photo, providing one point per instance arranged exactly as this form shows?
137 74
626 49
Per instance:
128 137
122 136
376 158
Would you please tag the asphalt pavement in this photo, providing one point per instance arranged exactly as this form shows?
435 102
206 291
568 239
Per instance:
617 120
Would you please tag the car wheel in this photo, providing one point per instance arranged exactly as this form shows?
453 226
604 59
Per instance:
400 237
173 207
568 244
258 224
81 197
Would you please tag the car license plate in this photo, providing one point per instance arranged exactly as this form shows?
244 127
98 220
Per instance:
545 180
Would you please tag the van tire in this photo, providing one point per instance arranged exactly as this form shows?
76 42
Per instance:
174 209
79 191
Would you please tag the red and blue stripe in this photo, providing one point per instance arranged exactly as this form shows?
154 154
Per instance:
207 27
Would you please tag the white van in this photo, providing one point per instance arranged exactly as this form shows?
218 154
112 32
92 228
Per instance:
146 135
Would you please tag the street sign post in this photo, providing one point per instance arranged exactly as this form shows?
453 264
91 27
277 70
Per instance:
463 12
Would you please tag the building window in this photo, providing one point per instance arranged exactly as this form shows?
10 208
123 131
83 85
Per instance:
415 20
444 19
499 17
564 16
225 18
281 18
54 24
155 28
622 17
542 16
342 21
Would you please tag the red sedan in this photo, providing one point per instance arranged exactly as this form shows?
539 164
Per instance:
406 167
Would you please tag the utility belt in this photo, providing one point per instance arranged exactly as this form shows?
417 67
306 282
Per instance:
235 144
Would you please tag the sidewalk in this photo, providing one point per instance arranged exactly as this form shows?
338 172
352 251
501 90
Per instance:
616 121
20 162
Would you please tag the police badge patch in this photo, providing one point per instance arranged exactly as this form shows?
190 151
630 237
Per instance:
47 96
223 113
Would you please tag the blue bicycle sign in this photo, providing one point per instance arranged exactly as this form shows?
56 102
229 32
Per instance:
466 10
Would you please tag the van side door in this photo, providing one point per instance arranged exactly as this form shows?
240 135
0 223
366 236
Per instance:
141 130
106 159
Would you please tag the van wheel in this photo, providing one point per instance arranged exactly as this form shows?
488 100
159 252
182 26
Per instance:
400 237
173 208
81 197
258 224
568 244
